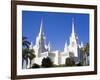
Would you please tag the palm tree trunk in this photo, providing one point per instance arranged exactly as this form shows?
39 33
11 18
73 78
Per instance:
30 63
85 58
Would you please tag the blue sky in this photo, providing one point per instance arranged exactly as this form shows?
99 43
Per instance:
57 27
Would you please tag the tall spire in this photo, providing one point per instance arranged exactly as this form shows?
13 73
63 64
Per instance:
73 32
40 37
41 27
65 48
41 40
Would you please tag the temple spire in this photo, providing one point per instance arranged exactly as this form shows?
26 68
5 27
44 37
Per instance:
73 32
41 28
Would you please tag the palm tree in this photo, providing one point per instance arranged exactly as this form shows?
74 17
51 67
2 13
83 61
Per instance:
25 50
24 58
25 53
86 49
25 42
86 52
31 55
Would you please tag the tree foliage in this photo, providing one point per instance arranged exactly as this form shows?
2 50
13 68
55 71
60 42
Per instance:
86 49
26 52
35 66
25 42
46 62
80 64
31 54
70 62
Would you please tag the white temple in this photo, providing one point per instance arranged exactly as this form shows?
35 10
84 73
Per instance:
44 50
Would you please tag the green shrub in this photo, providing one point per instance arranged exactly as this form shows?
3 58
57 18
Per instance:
35 66
70 62
46 62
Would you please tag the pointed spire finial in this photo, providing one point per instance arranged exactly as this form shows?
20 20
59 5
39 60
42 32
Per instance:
73 26
41 26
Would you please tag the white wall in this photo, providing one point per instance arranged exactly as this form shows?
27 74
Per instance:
5 31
